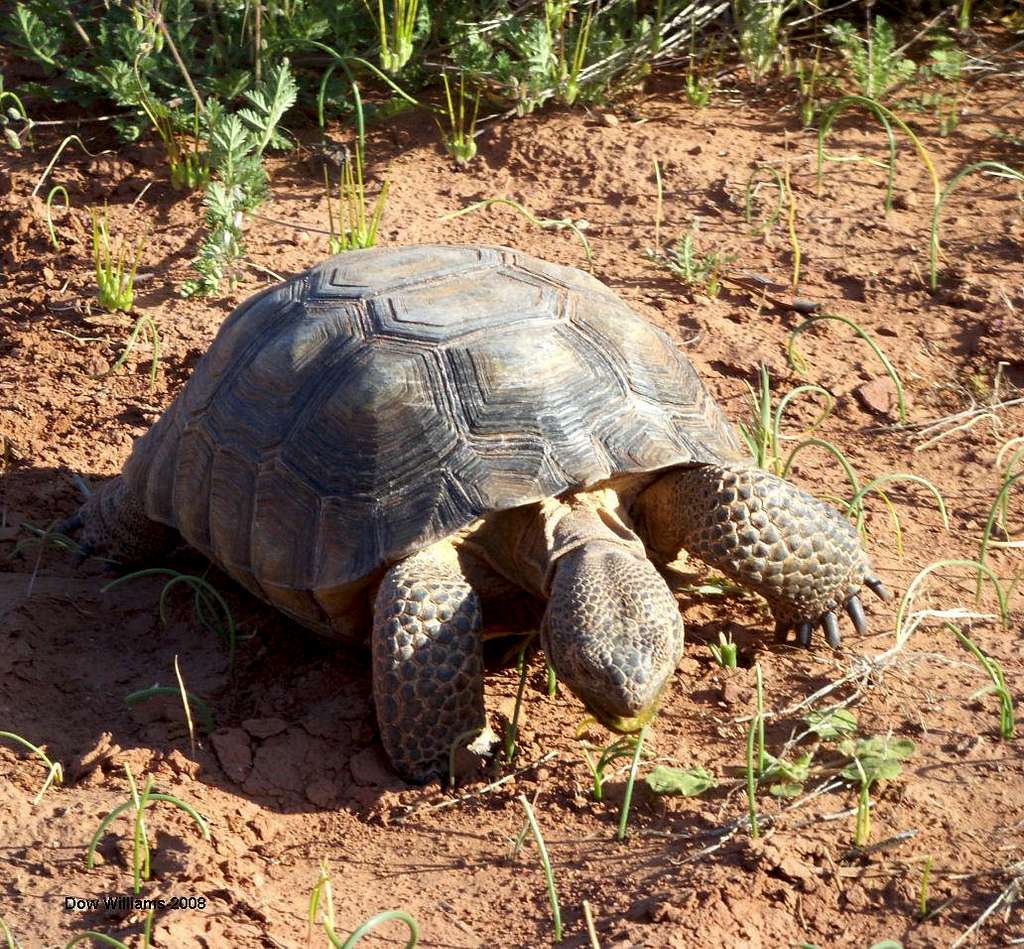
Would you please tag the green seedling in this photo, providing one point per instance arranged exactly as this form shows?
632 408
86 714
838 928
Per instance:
395 39
210 608
755 760
887 119
922 899
460 136
321 902
545 860
145 326
699 89
56 155
807 81
512 734
54 191
797 361
1007 723
877 65
758 23
763 433
786 778
357 223
547 224
831 724
54 771
873 759
681 782
147 937
189 700
622 747
725 652
14 112
43 537
754 184
695 270
137 805
627 798
115 275
996 170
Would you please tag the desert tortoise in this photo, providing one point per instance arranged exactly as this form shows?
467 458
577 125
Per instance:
408 432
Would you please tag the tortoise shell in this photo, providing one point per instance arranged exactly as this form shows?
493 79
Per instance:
386 398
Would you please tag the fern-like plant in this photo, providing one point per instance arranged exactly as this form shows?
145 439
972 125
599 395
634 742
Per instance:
239 183
874 60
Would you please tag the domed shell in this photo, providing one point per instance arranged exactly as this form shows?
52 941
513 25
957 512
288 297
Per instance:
389 397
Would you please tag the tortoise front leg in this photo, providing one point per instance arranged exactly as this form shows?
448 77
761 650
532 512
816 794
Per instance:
428 683
799 553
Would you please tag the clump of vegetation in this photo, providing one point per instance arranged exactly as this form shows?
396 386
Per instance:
876 64
758 24
115 272
54 770
696 270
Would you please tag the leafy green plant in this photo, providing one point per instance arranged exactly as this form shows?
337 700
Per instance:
460 136
684 782
622 747
725 652
54 770
1007 723
872 759
874 60
115 275
321 903
758 24
831 724
188 162
694 270
357 224
239 182
137 805
545 860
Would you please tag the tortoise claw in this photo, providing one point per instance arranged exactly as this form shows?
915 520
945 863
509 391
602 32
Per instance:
803 634
877 587
70 525
782 629
856 610
830 624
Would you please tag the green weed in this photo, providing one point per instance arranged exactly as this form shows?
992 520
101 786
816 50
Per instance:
459 138
684 782
14 113
769 219
396 42
758 23
634 767
622 747
321 902
874 60
55 190
872 759
725 652
695 270
54 773
137 805
115 275
144 326
545 860
1007 723
211 610
357 224
548 224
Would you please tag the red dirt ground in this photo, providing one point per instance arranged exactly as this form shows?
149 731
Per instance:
294 774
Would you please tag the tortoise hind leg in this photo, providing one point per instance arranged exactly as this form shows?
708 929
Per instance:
113 523
427 662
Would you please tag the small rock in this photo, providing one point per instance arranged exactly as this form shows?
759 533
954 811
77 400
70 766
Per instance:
696 150
735 694
264 727
608 119
233 751
878 396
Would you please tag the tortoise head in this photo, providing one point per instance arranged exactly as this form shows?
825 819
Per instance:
613 632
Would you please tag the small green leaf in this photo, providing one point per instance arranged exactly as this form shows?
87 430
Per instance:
834 723
785 790
686 782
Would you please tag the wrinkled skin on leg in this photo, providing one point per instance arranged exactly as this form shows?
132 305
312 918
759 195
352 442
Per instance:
799 553
428 682
112 523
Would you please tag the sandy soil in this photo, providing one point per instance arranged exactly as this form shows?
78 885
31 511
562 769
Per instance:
293 773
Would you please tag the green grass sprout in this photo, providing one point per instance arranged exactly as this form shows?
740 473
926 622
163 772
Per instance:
211 609
512 733
873 759
634 767
547 224
115 275
395 43
545 860
623 747
459 138
1007 722
692 268
54 771
56 155
137 804
1002 496
145 326
55 190
725 652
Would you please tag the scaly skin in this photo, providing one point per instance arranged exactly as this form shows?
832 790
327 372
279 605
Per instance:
428 681
799 553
